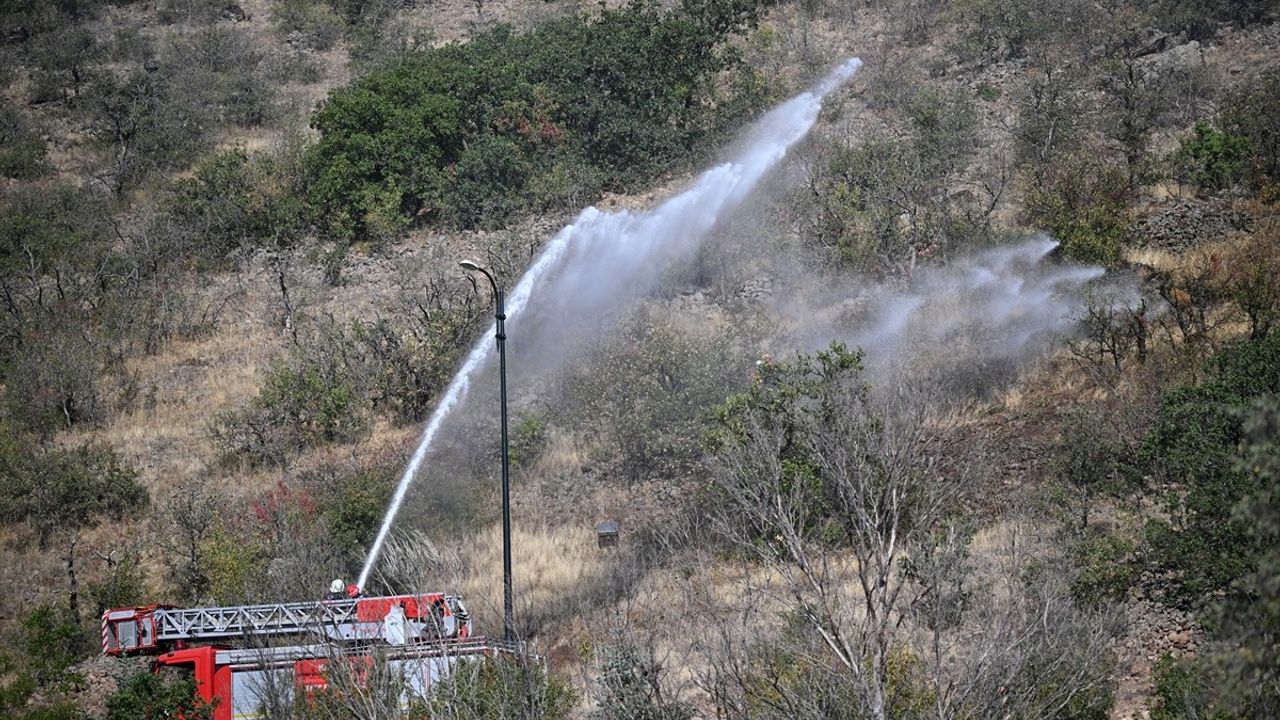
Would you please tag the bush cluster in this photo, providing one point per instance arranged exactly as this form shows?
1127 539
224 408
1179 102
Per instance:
1083 202
1194 444
469 134
647 394
303 402
22 150
235 202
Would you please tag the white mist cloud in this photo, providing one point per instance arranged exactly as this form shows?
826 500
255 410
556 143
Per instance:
997 305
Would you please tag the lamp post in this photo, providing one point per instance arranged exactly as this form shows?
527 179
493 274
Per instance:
500 314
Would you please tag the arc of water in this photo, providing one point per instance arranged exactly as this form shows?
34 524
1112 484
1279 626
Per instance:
683 218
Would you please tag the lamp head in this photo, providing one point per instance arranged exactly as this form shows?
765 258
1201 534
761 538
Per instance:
471 265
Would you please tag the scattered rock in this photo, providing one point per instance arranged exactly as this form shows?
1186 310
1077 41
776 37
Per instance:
235 13
101 677
1158 42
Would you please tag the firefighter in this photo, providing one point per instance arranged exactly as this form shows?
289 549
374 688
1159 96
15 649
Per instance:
337 590
353 591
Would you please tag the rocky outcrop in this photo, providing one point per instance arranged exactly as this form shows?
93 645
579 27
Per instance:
757 288
1185 223
1179 59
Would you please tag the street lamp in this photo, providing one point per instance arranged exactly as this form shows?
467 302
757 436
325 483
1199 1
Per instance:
499 313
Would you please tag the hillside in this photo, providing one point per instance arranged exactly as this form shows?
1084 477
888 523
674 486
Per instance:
965 407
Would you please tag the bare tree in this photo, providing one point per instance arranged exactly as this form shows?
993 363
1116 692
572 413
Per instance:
1035 653
821 482
186 520
860 583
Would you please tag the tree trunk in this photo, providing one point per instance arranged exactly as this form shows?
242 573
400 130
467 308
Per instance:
73 584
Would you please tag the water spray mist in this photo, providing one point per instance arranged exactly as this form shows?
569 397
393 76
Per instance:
571 263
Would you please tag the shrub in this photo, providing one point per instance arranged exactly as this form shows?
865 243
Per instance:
122 585
304 402
148 122
528 437
1237 675
860 219
65 61
351 505
1212 159
147 696
237 201
53 642
314 23
162 120
502 688
62 492
234 566
1250 114
882 202
630 684
1251 271
58 266
66 490
1105 567
22 150
52 382
1082 201
1007 28
1249 659
50 229
1090 458
1199 19
1181 691
1193 444
402 366
647 393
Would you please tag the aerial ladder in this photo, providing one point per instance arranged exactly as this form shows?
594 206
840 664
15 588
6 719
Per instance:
396 619
233 653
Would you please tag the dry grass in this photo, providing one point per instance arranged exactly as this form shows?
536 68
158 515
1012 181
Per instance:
181 389
563 454
551 566
1155 258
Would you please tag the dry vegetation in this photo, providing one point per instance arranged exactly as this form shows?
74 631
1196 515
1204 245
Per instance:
1021 577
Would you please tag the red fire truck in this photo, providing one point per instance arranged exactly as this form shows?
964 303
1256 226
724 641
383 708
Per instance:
236 654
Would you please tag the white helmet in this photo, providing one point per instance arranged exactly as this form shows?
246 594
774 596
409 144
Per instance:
337 586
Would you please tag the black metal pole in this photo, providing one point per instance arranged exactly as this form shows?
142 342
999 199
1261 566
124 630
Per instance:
508 601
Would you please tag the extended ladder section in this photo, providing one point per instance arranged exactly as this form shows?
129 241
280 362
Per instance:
396 619
225 622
